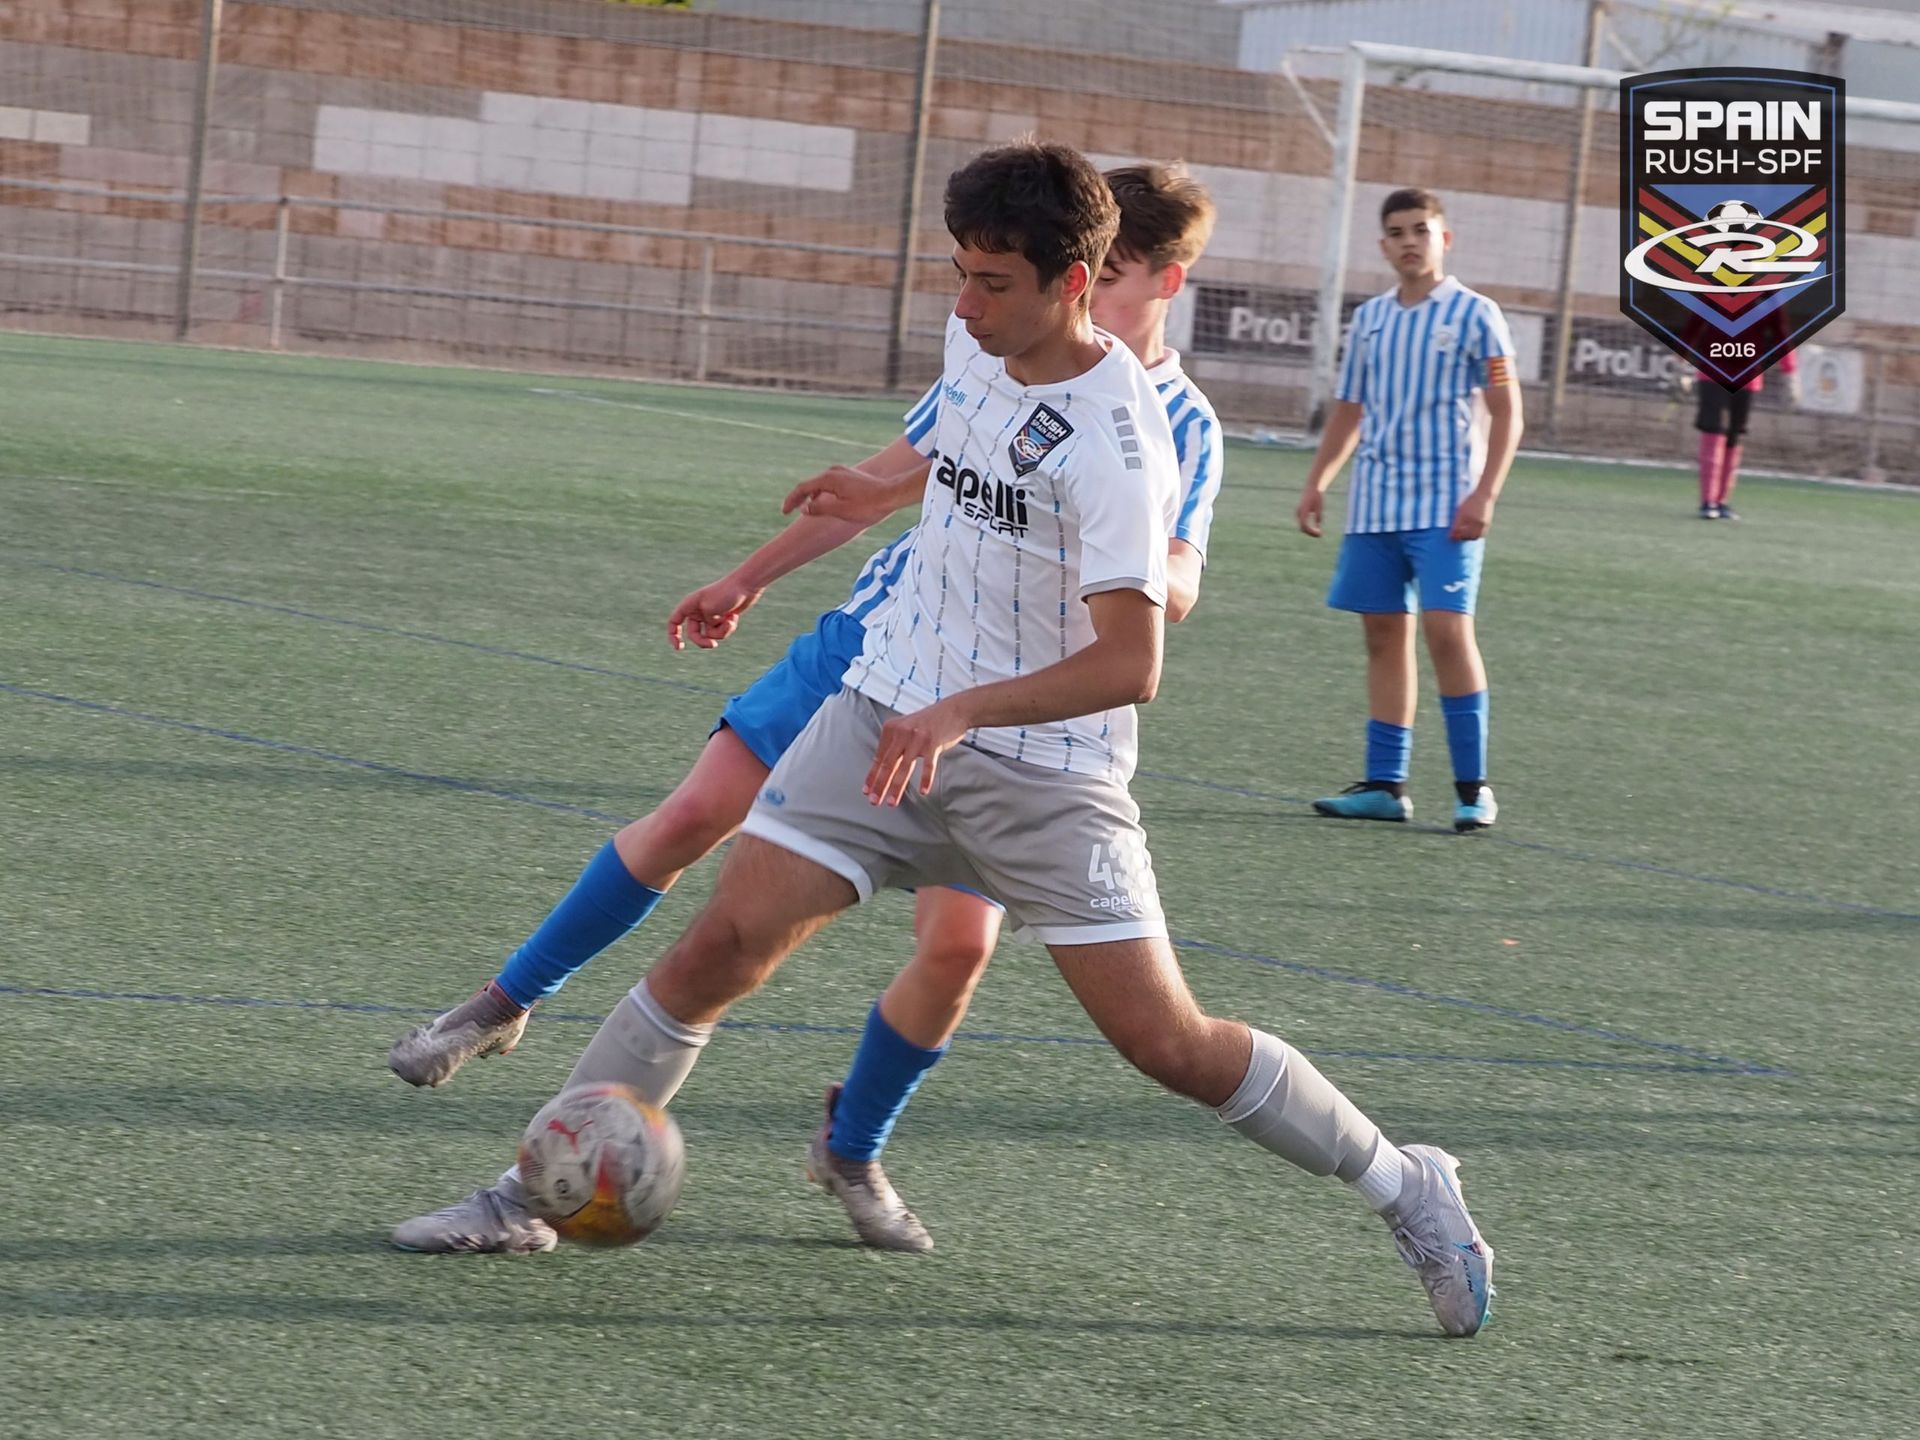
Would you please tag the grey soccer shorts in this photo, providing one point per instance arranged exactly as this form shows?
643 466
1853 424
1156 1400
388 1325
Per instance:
1063 852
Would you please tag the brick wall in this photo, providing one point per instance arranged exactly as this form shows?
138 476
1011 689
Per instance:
696 125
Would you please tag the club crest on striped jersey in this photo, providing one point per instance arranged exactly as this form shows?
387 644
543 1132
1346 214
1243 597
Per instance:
1444 339
1732 216
1032 443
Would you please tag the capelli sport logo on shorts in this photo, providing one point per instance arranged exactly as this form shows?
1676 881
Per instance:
1732 213
994 503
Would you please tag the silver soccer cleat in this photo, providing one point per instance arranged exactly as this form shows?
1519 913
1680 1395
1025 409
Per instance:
487 1024
492 1220
880 1217
1437 1237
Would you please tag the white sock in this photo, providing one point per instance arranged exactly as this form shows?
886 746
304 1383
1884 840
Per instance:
1385 1177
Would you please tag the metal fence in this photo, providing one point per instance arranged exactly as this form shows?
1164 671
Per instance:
749 193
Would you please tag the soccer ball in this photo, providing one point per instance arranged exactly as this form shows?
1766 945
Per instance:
601 1165
1731 215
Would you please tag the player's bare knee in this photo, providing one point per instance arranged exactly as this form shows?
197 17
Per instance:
1172 1059
687 826
715 963
950 965
1387 635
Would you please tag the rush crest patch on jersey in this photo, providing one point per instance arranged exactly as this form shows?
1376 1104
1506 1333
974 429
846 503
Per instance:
1045 428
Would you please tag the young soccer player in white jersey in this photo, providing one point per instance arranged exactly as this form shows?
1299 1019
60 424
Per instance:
1426 364
987 737
1165 219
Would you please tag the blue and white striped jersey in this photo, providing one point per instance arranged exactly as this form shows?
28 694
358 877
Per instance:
1198 443
878 577
1417 371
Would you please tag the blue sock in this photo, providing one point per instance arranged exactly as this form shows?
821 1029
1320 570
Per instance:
887 1069
604 904
1467 733
1389 751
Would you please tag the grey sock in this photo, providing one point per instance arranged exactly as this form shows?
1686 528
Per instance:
641 1045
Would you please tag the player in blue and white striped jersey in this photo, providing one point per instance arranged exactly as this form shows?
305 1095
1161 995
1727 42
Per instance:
1428 393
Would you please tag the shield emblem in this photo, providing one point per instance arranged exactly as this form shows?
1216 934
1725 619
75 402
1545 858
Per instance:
1732 213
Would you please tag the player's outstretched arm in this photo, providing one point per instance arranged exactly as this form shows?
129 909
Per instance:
1184 567
1475 513
712 613
1336 446
1121 667
865 494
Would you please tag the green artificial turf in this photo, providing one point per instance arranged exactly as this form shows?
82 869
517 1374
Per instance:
320 680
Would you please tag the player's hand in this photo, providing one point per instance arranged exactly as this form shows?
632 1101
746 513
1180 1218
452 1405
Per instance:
844 493
710 614
908 740
1307 513
1471 520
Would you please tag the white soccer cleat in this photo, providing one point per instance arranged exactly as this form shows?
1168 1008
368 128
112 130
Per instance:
487 1024
491 1221
1437 1237
880 1217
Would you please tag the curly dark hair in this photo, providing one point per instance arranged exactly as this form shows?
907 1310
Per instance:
1035 199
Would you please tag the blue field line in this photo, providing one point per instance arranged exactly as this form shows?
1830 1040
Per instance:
1317 972
1536 847
445 782
971 1037
1480 1007
371 628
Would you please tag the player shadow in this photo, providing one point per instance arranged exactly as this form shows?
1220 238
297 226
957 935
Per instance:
1585 1132
289 1307
67 1249
398 1113
393 1113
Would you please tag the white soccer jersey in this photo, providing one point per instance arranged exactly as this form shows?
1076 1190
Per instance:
1198 442
1039 497
1418 371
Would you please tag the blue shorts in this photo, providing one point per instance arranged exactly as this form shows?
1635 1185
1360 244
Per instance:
770 713
1401 572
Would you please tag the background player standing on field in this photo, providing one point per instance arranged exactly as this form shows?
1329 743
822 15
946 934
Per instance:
1428 365
1721 415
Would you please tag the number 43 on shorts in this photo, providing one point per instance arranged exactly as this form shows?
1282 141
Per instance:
1112 867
